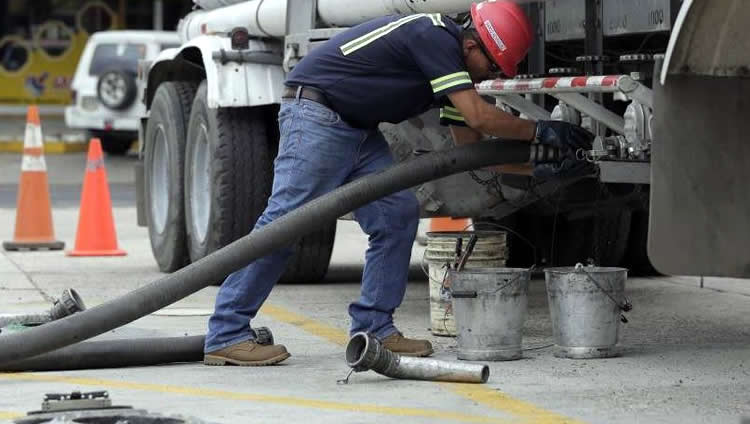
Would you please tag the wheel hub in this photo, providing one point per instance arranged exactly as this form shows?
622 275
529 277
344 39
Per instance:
200 196
160 186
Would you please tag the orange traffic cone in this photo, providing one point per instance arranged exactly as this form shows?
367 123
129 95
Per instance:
34 211
441 224
96 226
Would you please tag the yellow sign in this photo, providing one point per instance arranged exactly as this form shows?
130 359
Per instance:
40 69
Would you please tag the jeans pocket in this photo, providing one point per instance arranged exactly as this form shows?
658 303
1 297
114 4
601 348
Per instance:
324 150
320 114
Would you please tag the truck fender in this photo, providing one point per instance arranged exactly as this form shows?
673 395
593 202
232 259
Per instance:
234 78
700 210
709 38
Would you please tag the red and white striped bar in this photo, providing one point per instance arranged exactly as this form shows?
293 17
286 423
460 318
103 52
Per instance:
591 84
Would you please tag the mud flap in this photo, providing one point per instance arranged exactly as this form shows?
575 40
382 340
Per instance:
700 174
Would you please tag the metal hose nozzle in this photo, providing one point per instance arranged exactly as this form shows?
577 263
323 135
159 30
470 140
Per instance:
68 304
365 352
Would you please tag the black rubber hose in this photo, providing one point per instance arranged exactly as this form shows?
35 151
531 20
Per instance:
281 232
114 354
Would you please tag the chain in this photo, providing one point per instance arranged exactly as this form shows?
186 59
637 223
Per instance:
492 183
345 380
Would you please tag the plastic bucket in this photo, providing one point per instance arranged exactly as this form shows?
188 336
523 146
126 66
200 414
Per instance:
490 309
585 307
489 252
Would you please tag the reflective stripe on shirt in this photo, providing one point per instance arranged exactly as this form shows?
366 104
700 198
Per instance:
368 38
449 115
450 80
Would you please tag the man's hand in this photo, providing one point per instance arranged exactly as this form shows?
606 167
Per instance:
568 138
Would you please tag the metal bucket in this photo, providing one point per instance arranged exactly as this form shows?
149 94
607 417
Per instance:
585 304
490 309
489 252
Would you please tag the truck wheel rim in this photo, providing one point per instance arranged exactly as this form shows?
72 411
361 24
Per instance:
160 180
200 199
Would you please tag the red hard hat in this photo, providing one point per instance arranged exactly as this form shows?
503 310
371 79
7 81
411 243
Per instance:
505 32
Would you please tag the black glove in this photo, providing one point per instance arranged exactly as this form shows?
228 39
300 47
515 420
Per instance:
566 137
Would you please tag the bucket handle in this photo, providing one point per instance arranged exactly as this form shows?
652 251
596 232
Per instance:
474 293
515 233
625 306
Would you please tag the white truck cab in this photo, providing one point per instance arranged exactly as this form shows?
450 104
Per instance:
106 94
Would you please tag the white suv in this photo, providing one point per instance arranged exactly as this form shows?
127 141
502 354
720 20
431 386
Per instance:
106 93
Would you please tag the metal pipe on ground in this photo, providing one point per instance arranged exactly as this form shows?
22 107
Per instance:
283 231
364 352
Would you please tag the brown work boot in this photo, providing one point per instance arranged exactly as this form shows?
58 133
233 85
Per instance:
247 354
397 343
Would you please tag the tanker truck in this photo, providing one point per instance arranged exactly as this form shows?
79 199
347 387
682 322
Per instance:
661 83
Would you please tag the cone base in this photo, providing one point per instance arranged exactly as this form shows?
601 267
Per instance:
33 245
115 252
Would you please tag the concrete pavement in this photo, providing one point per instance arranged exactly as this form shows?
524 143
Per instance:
686 352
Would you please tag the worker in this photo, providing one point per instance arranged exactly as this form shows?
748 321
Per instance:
386 70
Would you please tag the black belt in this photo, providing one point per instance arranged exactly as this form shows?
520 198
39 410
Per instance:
306 93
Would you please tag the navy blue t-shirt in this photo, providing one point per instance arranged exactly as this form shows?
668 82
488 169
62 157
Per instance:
388 69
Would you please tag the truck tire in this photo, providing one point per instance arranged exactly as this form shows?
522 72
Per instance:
311 258
164 164
228 179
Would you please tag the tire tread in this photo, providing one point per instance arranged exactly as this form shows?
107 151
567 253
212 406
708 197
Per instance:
179 95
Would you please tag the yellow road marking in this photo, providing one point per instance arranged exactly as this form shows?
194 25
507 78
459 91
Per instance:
498 400
478 393
278 400
7 415
332 334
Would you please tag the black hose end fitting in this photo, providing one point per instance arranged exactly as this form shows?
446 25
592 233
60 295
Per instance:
541 153
68 304
263 336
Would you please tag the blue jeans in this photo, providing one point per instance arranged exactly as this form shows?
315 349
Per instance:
318 152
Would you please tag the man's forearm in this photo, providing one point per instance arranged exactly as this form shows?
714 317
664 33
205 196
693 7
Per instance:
466 135
500 124
487 119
